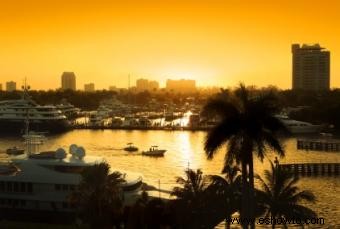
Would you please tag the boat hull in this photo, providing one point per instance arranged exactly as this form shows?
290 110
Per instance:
18 127
305 130
154 153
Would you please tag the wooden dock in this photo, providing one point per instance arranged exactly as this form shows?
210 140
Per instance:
313 169
319 145
170 128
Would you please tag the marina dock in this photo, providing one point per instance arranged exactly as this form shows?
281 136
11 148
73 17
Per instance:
171 128
313 169
330 145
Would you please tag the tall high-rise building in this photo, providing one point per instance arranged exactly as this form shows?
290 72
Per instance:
311 64
0 87
11 86
68 81
89 87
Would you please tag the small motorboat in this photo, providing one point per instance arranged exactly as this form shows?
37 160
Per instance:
15 151
131 147
154 151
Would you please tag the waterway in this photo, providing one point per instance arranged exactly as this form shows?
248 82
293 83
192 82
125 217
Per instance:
185 149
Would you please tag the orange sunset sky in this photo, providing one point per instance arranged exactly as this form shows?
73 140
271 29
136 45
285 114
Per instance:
214 42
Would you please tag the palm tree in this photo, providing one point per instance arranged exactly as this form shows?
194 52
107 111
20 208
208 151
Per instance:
227 191
247 125
99 196
192 203
193 185
281 197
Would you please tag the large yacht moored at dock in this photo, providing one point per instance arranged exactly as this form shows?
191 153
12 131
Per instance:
45 180
14 113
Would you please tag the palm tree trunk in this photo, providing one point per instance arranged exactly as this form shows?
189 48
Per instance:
227 223
245 194
251 192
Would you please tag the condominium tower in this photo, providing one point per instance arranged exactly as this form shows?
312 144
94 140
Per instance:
311 64
68 81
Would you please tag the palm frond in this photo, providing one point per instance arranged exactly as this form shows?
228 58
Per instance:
243 94
263 184
281 196
220 134
273 143
304 195
219 107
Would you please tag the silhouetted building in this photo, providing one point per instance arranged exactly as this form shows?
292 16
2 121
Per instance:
68 81
183 85
0 87
113 88
11 86
146 85
89 87
153 85
311 64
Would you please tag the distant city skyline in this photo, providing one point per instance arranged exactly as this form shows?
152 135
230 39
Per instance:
212 42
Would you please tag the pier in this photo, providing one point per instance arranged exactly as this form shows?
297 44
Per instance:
172 128
313 169
329 145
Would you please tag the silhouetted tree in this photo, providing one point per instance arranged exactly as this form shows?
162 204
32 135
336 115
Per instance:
247 126
99 197
281 196
226 190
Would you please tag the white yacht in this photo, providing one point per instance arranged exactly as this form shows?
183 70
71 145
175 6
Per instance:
299 127
104 111
45 180
68 109
130 121
144 122
96 119
13 114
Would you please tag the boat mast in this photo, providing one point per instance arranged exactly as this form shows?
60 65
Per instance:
25 96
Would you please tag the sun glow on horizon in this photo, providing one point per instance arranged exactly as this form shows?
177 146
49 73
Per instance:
215 43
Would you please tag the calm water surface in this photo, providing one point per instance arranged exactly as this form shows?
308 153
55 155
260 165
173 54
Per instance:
185 149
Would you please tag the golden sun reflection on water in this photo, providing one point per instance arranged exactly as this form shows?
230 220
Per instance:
185 148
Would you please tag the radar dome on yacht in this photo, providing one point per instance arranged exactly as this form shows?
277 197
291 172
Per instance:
73 148
80 152
60 153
